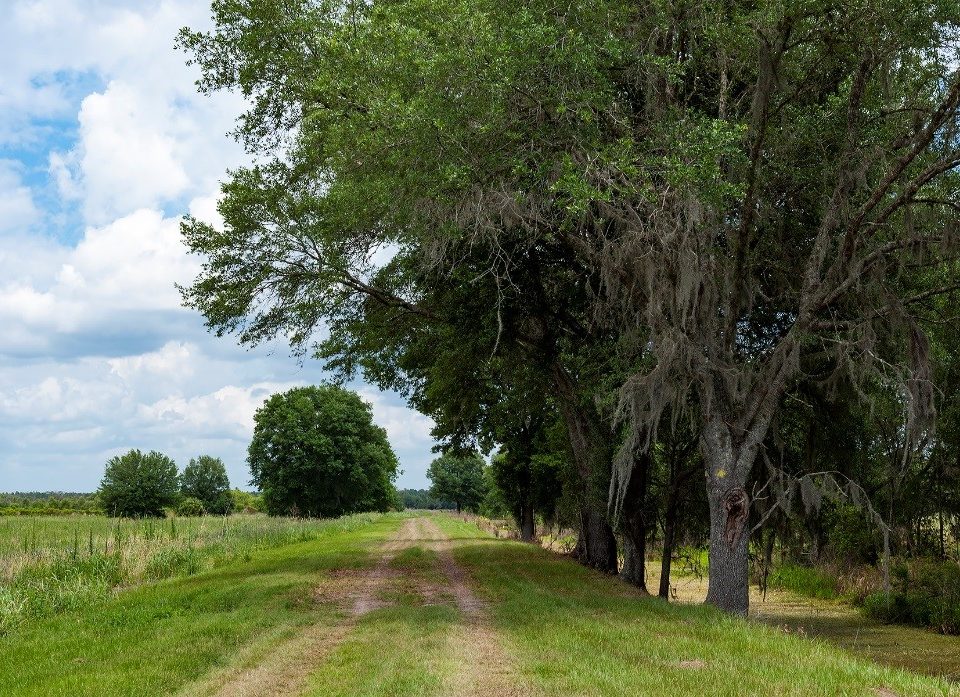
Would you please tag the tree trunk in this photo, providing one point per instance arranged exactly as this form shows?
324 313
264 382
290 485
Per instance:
669 535
527 526
458 508
634 523
596 545
729 515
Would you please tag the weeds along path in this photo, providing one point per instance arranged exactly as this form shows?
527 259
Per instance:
283 668
483 668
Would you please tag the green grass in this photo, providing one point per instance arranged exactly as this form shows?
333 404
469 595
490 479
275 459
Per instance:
398 650
565 629
158 637
804 580
49 565
574 632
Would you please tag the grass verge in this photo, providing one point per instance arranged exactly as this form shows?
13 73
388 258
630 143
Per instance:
158 637
574 632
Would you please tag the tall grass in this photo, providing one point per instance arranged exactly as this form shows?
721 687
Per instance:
810 581
53 564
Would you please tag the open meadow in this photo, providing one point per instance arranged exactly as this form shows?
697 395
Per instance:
50 564
393 604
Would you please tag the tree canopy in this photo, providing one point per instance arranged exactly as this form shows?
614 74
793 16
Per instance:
458 478
138 484
205 479
317 452
662 213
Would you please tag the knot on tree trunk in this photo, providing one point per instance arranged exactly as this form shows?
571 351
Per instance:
737 506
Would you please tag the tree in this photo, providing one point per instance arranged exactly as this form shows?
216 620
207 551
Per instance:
725 194
317 452
205 479
301 229
458 478
138 484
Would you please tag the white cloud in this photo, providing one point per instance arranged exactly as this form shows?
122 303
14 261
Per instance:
405 427
17 209
98 355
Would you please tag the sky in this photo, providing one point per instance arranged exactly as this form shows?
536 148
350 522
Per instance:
104 145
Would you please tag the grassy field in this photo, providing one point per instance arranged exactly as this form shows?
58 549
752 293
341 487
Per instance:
52 564
395 605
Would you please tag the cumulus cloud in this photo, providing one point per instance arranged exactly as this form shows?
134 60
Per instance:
104 144
18 211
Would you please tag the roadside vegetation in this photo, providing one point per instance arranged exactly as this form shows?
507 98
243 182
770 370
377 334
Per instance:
51 565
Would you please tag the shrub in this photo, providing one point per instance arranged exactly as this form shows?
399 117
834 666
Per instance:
926 593
138 484
246 502
190 507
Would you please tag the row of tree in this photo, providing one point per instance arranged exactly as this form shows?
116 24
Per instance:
47 503
138 484
629 245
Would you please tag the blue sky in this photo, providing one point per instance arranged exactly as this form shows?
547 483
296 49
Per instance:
104 144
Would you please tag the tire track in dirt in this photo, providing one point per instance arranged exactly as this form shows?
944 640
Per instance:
483 668
287 666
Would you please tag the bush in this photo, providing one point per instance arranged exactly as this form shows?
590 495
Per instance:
804 580
138 485
246 502
205 479
190 507
926 594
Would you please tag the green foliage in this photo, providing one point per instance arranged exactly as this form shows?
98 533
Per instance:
458 478
205 479
48 503
190 506
925 593
138 484
316 452
245 501
808 581
850 535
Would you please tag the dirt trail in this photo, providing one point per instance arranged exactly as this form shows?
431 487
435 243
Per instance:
284 671
483 668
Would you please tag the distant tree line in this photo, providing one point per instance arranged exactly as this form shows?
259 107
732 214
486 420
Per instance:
48 503
422 499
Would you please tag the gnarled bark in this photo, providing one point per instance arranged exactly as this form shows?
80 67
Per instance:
729 515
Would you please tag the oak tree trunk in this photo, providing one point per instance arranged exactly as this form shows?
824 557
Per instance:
527 527
669 535
729 514
592 453
634 523
596 545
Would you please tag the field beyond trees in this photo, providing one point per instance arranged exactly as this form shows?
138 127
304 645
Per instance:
395 604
